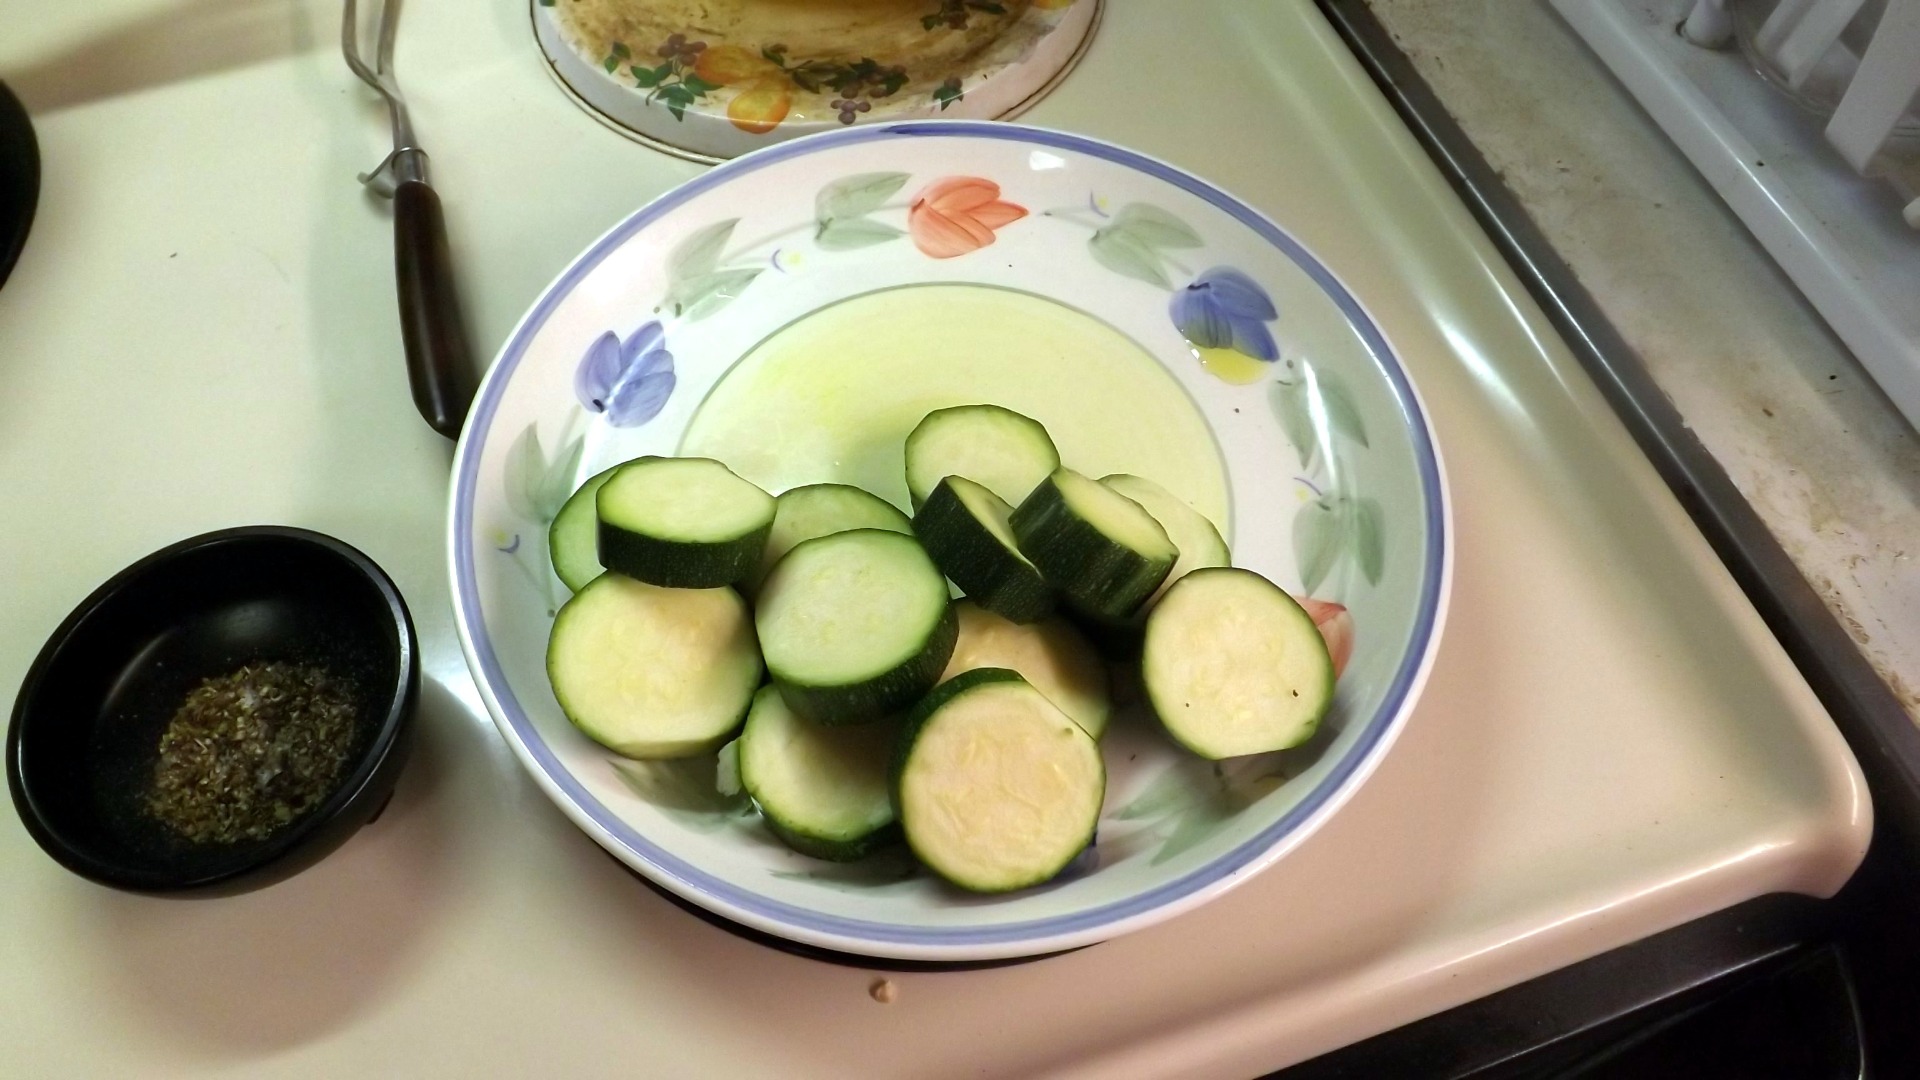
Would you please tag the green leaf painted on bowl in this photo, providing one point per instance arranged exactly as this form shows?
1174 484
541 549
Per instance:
1180 787
881 870
1334 528
856 196
1134 243
1368 541
846 235
1343 416
536 487
1189 829
685 790
1192 798
1124 253
1318 536
702 296
699 254
1288 399
1153 227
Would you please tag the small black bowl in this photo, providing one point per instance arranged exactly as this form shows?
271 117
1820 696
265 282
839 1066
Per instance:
88 720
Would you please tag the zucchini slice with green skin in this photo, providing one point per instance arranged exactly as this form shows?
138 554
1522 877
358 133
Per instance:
822 790
1196 538
816 510
855 626
1232 665
1049 654
996 788
573 540
651 672
998 448
964 527
686 523
1102 550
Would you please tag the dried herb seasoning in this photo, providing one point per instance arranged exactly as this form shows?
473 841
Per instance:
249 752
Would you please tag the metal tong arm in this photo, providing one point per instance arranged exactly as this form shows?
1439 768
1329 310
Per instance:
440 369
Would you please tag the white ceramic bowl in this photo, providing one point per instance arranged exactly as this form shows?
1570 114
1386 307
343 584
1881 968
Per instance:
794 312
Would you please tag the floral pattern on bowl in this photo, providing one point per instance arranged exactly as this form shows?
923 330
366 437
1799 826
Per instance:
1331 486
714 80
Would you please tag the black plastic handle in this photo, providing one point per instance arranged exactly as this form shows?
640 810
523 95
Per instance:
439 362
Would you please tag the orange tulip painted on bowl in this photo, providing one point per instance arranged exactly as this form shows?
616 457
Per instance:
1336 627
958 214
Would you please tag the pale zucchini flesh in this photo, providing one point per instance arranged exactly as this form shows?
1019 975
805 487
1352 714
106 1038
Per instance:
686 523
964 527
1197 539
1232 665
993 446
573 540
821 789
652 672
855 626
1049 654
816 510
1102 550
996 788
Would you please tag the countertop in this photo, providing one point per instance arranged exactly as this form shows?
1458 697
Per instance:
201 333
1824 458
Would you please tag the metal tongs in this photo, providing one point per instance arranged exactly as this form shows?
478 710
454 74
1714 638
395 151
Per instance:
439 362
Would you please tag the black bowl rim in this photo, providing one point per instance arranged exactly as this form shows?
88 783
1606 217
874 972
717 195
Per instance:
22 175
353 790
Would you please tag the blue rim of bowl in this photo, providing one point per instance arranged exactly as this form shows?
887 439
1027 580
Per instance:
689 879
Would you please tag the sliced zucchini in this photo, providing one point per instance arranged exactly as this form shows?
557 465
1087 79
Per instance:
822 790
651 672
1050 654
999 448
573 540
996 788
855 625
822 510
1196 538
1102 550
1232 665
686 523
964 527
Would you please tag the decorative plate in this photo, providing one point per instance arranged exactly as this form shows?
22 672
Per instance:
713 79
795 312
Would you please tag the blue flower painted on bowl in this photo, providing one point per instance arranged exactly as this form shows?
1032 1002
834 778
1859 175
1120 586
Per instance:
627 380
1223 314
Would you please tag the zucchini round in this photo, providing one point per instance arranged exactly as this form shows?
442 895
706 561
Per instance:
855 626
1102 550
805 513
685 523
996 788
822 790
573 540
1006 452
1049 654
964 527
1192 534
651 672
1232 665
